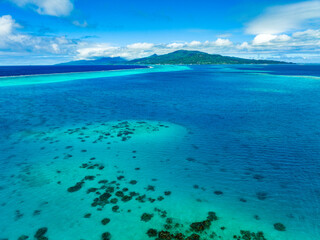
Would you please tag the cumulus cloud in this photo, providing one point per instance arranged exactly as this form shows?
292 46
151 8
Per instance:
278 32
303 45
89 51
288 47
7 25
47 7
194 44
176 45
223 42
15 41
281 19
138 50
263 39
243 46
143 46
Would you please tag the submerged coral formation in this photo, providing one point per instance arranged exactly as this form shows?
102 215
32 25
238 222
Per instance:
115 192
175 230
279 227
39 235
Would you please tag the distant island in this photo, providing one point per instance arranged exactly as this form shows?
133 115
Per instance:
180 57
99 61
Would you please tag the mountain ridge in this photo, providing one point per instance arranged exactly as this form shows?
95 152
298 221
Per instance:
179 57
99 61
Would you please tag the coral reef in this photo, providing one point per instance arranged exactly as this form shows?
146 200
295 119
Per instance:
146 217
279 227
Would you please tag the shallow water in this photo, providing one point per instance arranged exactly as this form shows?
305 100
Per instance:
115 71
225 139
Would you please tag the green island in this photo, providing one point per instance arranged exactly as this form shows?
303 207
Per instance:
180 57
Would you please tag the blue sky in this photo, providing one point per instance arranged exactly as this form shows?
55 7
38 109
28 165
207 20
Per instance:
53 31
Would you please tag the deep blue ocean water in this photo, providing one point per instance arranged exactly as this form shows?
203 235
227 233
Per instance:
296 69
252 152
31 70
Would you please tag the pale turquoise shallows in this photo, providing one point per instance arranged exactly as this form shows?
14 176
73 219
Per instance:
62 77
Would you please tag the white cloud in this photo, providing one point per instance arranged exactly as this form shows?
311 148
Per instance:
143 46
55 47
298 47
47 7
194 44
263 39
95 50
223 42
79 24
283 38
138 50
176 45
87 51
278 32
281 19
7 25
243 46
12 40
308 34
7 31
265 46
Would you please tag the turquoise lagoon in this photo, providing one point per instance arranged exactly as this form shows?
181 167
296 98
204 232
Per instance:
111 155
